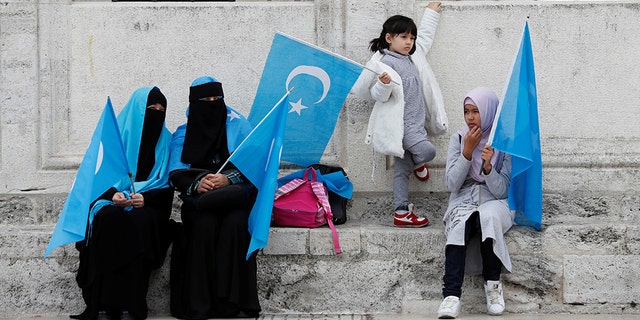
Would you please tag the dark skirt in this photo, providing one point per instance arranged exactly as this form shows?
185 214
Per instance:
210 276
121 250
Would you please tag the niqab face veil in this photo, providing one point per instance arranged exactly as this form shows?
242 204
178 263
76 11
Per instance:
151 129
146 141
205 142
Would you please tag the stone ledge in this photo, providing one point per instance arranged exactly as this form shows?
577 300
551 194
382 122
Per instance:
601 279
362 238
578 268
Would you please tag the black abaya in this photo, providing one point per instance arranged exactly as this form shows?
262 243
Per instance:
122 249
210 276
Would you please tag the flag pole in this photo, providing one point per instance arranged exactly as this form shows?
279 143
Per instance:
364 67
330 53
254 128
506 85
133 187
319 48
504 93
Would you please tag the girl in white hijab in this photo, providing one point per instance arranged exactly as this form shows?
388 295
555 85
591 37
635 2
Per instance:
478 215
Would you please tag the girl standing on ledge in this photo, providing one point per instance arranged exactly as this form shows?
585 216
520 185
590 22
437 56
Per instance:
406 94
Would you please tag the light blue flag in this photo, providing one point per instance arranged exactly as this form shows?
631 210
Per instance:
516 131
258 158
320 81
104 164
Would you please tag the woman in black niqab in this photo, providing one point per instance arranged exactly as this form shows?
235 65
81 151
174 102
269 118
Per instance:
205 143
210 275
129 234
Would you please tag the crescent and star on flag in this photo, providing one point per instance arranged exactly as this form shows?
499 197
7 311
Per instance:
297 107
313 71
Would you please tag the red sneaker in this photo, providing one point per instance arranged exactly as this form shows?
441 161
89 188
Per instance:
422 172
409 220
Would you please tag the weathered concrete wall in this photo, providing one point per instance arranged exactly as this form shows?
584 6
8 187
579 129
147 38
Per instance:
59 60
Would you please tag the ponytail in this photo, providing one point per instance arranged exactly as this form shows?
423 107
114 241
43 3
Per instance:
379 44
395 25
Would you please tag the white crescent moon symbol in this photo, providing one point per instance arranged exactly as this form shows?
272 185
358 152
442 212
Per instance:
315 72
99 159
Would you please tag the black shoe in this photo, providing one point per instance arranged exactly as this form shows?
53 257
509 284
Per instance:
85 315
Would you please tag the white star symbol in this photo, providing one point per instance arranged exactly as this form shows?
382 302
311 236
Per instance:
232 115
297 107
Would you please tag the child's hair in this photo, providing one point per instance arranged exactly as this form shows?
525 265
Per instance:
394 26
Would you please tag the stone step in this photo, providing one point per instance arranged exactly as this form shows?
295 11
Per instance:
570 267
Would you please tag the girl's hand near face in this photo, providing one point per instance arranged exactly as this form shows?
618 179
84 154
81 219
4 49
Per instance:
471 141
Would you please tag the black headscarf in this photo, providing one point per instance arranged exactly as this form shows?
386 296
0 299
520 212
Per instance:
151 129
205 142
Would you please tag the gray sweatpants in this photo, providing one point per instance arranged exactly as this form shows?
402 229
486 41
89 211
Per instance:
419 153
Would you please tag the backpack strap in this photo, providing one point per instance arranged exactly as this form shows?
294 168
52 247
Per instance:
314 175
320 191
288 187
295 183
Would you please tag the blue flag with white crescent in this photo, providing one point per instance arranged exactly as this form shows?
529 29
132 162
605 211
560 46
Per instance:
320 81
258 158
516 131
104 164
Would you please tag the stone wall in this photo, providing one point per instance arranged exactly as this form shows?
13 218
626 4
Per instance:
59 60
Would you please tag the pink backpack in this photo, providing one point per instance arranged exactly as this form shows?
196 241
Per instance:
304 203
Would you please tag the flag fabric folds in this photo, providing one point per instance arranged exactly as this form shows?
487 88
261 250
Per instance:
258 158
516 131
104 164
320 81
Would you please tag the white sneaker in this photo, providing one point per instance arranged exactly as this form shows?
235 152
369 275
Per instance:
495 300
449 308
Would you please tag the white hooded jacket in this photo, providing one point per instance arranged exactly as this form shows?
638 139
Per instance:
386 125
